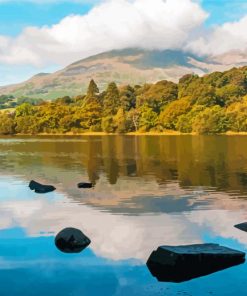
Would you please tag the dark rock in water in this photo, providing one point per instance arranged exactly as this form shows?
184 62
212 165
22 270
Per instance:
85 185
242 226
183 263
39 188
71 240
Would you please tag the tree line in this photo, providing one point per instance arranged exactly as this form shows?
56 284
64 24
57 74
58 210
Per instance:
214 103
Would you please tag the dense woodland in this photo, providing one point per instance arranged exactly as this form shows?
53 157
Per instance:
215 103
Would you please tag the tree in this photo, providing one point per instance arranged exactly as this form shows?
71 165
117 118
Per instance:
108 124
127 98
7 124
169 117
230 93
91 109
133 116
185 121
148 119
212 120
120 121
27 125
157 95
93 89
64 100
111 101
237 116
24 109
92 112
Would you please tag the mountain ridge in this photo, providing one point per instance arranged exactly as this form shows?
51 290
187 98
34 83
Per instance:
126 66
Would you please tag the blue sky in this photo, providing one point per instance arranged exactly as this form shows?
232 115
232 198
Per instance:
222 11
44 48
16 15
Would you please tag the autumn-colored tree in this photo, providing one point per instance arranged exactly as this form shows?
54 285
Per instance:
214 103
169 117
185 121
7 124
211 120
157 95
237 116
91 109
25 109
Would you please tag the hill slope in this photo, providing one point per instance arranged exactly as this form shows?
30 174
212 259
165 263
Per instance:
128 66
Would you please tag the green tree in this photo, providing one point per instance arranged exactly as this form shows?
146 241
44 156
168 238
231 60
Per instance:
64 100
157 95
93 89
111 101
212 120
230 93
185 121
148 119
127 98
24 109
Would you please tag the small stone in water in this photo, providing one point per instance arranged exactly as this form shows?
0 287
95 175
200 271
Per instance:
71 240
85 185
40 188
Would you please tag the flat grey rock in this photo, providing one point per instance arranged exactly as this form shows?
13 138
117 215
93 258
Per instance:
182 263
71 240
242 226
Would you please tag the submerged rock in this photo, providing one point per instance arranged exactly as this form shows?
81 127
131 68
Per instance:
85 185
71 240
40 188
183 263
242 226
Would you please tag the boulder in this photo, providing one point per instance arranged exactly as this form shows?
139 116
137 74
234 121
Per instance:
242 226
71 240
183 263
85 185
40 188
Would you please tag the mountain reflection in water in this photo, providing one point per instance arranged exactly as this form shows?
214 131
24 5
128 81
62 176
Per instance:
149 191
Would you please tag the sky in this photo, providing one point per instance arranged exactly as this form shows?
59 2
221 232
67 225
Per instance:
46 35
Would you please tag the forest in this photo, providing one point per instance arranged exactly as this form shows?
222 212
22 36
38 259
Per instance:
213 104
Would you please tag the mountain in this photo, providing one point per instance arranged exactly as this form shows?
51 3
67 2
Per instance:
127 66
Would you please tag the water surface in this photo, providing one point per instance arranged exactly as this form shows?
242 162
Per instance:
149 191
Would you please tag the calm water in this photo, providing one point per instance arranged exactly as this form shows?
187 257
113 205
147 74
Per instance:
149 191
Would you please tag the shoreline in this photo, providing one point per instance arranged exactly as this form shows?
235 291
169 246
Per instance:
166 133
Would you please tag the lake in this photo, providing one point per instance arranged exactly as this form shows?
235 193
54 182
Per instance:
149 191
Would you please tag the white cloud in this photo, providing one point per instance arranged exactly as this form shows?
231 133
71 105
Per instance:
113 24
227 37
117 24
49 1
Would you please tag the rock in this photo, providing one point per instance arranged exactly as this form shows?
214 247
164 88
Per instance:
242 226
183 263
39 188
85 185
71 240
